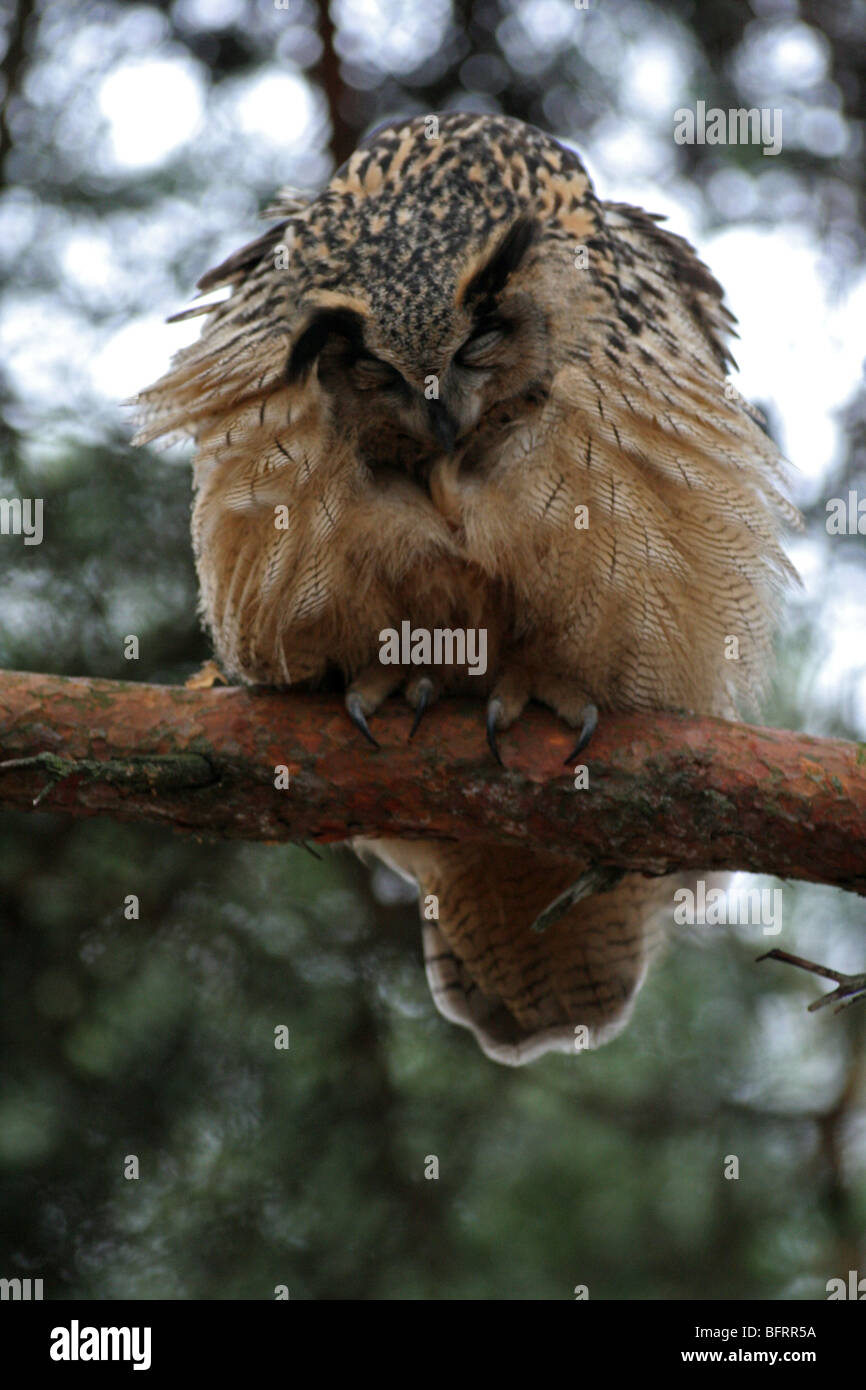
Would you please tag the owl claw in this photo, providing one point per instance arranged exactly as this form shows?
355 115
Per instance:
424 691
355 711
494 711
590 724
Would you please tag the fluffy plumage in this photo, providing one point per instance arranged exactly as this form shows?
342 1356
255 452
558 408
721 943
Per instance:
434 366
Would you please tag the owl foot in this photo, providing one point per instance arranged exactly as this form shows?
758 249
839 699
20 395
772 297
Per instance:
367 691
597 879
506 703
510 697
376 683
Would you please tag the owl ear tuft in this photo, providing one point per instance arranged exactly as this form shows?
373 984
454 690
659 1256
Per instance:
490 279
324 324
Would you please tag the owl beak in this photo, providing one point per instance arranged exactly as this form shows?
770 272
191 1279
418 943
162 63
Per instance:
443 426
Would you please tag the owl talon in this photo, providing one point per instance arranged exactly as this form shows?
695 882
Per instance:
494 712
355 711
597 879
424 694
590 724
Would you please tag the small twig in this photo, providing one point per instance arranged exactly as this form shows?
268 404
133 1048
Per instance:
167 772
58 769
597 879
849 988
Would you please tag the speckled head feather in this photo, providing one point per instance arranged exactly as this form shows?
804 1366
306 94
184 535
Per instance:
400 219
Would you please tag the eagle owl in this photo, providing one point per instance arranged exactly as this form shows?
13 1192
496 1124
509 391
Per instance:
457 390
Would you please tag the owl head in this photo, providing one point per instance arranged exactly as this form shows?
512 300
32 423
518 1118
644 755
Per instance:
420 299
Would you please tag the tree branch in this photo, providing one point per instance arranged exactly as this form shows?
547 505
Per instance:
665 793
326 72
12 72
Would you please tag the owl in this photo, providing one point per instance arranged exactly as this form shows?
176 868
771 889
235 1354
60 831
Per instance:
455 392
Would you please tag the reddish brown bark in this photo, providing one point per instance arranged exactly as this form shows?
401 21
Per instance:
665 793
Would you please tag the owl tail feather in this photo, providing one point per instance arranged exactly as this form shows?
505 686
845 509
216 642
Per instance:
524 993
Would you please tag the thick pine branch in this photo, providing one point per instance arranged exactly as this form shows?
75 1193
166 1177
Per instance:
665 793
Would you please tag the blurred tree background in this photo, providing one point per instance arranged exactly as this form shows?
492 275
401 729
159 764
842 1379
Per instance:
138 143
